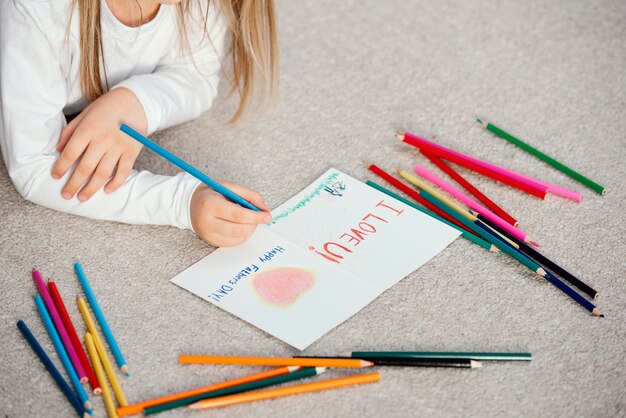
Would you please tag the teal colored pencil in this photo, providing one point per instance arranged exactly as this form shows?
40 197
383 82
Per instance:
464 233
512 251
543 157
117 353
363 355
183 165
58 345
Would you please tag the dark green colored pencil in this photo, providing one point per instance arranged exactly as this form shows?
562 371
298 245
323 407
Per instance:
543 157
245 387
464 233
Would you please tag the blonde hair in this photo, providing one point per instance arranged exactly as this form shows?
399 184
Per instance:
253 49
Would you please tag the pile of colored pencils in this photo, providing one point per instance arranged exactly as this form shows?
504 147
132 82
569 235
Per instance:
478 218
244 389
70 350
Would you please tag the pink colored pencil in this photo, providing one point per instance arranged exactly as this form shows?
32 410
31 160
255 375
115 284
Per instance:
529 181
58 323
473 204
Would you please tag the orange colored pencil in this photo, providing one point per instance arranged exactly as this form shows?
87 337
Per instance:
140 406
285 391
276 361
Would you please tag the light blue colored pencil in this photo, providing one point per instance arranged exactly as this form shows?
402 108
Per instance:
115 349
58 345
187 167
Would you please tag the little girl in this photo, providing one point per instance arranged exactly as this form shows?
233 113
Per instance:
145 63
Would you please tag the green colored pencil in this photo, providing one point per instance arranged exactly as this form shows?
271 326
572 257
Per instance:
543 157
464 233
244 387
363 355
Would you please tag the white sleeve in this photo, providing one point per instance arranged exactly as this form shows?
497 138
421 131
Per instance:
185 82
32 97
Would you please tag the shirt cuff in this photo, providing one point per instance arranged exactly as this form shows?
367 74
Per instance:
189 186
150 108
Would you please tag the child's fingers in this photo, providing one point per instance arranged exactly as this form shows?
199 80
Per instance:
124 167
71 153
232 212
68 131
250 195
225 233
85 168
100 176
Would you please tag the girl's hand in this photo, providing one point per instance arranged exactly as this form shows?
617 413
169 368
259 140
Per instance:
221 222
94 137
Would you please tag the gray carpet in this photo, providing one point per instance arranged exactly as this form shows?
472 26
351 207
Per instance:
352 72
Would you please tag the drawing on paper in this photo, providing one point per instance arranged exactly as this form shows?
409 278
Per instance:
282 286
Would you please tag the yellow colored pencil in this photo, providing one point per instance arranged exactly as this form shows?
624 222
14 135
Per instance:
460 210
285 391
91 326
275 361
97 366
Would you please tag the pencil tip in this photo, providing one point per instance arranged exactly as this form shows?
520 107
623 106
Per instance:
540 271
346 354
193 406
479 121
367 163
365 363
597 312
475 364
320 370
400 135
535 243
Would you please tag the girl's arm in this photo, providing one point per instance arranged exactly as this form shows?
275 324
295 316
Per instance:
185 83
32 97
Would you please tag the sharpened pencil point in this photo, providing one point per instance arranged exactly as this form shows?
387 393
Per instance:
540 271
320 370
535 243
475 364
365 363
400 135
293 368
345 354
494 249
367 163
597 312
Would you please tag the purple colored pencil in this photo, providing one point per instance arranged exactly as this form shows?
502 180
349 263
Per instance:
58 323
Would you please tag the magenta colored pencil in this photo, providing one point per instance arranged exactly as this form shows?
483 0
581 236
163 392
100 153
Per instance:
529 181
472 204
58 323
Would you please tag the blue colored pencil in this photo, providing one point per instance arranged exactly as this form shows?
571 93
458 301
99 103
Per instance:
187 167
115 349
58 345
49 365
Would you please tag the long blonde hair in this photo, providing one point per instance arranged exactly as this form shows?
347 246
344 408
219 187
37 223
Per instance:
253 49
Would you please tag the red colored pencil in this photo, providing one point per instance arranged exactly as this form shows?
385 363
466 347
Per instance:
470 188
71 331
415 195
538 191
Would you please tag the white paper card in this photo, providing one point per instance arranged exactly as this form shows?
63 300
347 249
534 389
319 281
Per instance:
331 250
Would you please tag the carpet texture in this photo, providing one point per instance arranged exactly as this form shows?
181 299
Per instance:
353 72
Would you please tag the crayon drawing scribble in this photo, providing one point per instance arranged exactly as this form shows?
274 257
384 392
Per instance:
282 286
307 198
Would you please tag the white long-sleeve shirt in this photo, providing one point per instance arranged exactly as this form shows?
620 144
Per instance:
40 84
